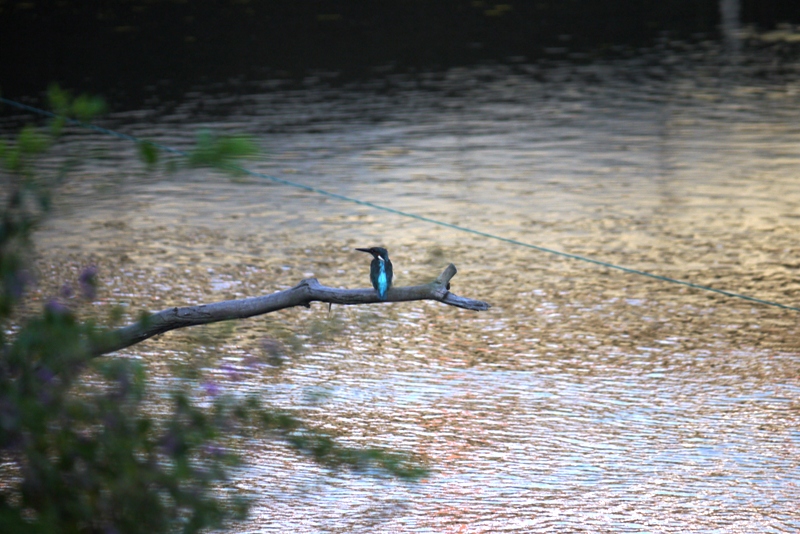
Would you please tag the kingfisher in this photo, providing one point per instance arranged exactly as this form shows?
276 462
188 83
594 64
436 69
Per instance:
380 270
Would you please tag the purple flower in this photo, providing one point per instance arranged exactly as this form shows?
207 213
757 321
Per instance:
45 375
251 362
233 373
273 347
110 421
56 308
88 282
275 351
17 282
66 291
45 397
171 444
124 383
211 388
214 450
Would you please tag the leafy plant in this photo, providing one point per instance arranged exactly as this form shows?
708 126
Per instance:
83 447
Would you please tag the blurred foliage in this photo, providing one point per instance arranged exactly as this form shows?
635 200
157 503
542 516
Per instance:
211 150
84 447
82 108
221 151
148 153
327 329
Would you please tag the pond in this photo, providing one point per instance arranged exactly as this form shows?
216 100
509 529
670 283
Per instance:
586 399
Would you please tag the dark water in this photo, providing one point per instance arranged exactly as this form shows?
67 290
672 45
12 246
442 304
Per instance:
130 50
586 399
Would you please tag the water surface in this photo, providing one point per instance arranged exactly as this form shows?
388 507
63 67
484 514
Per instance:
585 399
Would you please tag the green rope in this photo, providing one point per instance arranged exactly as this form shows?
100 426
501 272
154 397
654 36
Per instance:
422 218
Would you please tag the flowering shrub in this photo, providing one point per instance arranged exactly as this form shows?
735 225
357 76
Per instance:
80 450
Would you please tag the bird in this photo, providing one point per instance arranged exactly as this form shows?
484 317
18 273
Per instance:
380 270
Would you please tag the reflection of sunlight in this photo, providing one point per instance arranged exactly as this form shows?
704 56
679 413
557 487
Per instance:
583 395
783 33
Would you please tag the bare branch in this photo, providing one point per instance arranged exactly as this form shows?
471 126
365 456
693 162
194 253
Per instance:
303 294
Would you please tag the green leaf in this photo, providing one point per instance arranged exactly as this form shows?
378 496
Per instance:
12 159
83 108
59 99
220 151
87 107
115 314
236 147
57 125
148 153
145 318
31 141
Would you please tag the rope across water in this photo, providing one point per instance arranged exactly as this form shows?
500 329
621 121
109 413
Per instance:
422 218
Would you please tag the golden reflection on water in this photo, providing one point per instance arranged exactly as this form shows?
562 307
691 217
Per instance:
585 398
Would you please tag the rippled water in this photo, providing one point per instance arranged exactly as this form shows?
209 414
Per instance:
586 399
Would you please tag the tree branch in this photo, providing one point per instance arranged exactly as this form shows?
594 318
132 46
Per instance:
303 294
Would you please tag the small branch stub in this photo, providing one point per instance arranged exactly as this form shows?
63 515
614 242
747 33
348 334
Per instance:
303 294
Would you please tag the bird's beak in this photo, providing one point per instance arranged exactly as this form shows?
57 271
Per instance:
365 250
